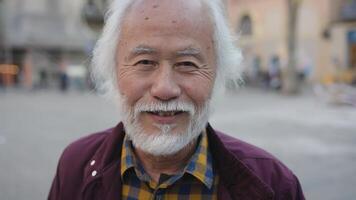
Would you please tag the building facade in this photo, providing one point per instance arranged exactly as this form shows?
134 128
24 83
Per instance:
44 39
326 37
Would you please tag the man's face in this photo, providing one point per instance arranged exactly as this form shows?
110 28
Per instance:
166 55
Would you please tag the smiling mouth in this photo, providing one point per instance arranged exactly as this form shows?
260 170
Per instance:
165 113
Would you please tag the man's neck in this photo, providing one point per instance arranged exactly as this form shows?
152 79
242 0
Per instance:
168 164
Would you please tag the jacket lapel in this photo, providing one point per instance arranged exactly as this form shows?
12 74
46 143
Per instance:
111 182
235 177
107 183
223 193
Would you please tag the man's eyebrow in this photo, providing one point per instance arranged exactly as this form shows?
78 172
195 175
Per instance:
190 51
142 49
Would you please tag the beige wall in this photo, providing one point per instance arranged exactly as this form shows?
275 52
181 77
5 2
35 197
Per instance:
269 20
268 27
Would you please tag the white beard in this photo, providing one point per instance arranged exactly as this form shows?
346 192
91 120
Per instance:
166 141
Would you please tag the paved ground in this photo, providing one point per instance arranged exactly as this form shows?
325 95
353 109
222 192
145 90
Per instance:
315 140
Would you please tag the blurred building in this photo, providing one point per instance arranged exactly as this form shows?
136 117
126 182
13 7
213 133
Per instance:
326 37
44 39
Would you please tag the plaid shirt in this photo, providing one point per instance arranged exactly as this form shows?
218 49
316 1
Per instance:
196 181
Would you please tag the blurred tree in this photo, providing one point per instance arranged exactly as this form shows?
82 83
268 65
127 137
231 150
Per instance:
290 80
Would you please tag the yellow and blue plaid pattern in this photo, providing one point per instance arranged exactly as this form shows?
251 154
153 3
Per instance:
196 181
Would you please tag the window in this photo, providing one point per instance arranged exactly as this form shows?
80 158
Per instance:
245 27
348 10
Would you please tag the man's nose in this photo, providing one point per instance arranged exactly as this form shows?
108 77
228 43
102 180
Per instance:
164 86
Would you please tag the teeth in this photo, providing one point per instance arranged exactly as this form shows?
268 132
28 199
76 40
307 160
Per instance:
165 114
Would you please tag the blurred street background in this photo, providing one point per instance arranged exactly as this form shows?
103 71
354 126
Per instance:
298 100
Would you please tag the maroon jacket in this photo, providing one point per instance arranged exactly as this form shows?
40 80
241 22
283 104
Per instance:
90 169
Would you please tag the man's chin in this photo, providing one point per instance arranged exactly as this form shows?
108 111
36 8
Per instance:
166 141
168 129
161 145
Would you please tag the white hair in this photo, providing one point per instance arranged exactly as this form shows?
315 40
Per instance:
103 70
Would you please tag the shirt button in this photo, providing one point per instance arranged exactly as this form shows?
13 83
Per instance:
92 163
93 173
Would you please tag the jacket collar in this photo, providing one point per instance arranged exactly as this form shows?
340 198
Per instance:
234 175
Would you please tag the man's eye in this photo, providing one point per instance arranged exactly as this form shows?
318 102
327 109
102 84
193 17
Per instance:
145 65
186 66
187 63
145 62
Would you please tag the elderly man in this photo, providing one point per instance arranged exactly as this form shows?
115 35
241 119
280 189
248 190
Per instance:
163 62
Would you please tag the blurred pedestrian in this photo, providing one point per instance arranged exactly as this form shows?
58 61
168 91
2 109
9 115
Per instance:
2 87
274 73
43 79
64 81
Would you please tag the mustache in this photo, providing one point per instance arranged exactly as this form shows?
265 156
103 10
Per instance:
166 106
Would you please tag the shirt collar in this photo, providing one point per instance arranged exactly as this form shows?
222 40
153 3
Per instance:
199 166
